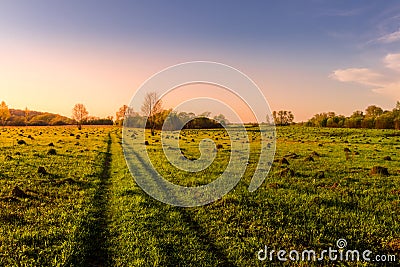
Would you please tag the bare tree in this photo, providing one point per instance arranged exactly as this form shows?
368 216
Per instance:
79 114
26 115
4 113
150 108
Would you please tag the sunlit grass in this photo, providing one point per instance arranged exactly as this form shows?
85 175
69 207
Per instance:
89 205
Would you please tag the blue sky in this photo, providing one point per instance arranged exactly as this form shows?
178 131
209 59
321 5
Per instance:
306 56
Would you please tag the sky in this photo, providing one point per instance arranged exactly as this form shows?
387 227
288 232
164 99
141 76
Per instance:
305 56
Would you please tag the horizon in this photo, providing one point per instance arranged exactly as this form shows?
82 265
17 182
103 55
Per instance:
307 57
199 114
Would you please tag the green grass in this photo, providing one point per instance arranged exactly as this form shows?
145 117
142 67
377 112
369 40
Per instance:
43 229
100 217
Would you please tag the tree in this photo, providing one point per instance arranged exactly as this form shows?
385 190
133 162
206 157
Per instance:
396 115
79 114
275 117
120 115
221 119
160 118
283 117
26 116
4 113
355 120
205 114
290 117
373 111
385 121
150 108
267 119
173 121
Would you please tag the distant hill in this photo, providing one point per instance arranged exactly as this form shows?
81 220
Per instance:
37 118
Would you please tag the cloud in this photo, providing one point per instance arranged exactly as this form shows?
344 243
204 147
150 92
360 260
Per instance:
389 38
385 84
357 75
392 61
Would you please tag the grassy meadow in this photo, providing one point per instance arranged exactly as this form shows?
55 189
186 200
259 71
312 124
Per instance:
67 198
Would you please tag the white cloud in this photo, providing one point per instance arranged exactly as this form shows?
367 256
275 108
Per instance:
358 75
389 38
392 61
381 84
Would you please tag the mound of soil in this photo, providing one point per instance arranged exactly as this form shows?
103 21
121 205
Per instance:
287 172
387 158
309 159
41 170
21 142
51 144
292 156
314 154
52 151
283 161
379 170
18 192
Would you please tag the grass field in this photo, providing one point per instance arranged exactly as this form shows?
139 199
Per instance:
85 209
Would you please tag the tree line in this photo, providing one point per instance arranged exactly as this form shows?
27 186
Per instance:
373 117
154 117
26 117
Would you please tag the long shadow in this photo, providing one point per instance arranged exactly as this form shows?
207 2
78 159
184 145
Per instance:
205 238
200 232
92 240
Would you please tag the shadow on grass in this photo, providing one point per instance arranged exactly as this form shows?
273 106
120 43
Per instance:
174 252
91 235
